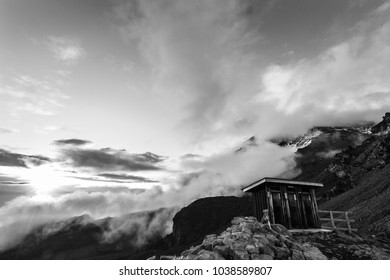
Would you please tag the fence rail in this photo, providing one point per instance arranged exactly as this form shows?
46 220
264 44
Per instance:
333 220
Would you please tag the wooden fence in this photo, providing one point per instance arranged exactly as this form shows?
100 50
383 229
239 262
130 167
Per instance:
335 219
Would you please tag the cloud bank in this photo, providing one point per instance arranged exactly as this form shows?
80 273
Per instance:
108 159
211 55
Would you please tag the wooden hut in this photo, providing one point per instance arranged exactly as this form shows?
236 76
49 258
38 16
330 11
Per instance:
290 203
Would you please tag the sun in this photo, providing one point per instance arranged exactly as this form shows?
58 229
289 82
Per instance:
44 178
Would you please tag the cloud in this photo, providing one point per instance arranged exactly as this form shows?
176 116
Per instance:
72 142
210 59
108 159
11 159
20 160
345 83
66 49
126 177
21 215
28 94
7 130
199 52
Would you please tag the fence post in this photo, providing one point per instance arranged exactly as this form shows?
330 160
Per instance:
331 219
348 223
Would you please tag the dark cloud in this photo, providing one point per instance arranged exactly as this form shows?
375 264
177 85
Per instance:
126 177
116 178
111 159
101 189
11 159
19 160
6 130
72 142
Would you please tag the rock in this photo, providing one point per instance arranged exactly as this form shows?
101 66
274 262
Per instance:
228 241
296 246
190 257
237 220
240 255
242 235
271 238
238 245
209 255
165 257
225 234
312 253
281 253
251 219
267 251
261 238
247 229
297 255
152 258
252 249
192 250
261 257
223 250
257 227
210 241
289 243
281 230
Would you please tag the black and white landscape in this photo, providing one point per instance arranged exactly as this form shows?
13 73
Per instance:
129 127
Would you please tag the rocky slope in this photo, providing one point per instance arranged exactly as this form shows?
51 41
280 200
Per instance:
247 239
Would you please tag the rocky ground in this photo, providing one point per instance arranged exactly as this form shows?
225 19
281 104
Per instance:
247 239
344 246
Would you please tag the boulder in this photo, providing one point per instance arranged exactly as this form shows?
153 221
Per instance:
261 257
281 230
281 253
223 250
297 255
312 253
166 257
272 238
267 251
240 255
238 220
228 241
238 245
209 255
261 238
252 249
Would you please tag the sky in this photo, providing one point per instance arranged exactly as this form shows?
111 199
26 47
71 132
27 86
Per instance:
113 97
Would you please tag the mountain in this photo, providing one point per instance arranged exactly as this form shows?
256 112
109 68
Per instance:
86 238
352 162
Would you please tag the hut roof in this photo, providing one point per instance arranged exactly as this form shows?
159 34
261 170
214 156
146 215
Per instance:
279 181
